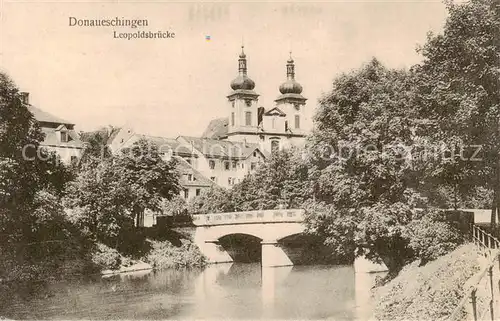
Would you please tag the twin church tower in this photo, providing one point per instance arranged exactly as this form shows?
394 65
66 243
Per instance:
281 126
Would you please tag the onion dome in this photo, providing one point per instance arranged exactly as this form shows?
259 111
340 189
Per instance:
242 81
290 86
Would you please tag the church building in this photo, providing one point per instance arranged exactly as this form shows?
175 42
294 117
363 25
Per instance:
281 126
233 146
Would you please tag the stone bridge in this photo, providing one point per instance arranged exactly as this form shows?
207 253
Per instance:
266 228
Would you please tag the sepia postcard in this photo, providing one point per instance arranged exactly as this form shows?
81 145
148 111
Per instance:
249 160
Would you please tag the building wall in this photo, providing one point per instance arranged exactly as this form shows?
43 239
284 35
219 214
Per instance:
66 154
237 105
291 111
188 192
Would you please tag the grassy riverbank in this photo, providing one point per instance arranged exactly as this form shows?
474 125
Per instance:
64 260
170 250
427 292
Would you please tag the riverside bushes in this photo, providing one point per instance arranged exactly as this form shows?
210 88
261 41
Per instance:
165 255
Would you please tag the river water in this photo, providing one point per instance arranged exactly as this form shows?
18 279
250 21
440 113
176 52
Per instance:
222 291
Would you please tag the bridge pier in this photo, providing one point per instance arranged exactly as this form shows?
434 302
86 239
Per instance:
273 255
215 253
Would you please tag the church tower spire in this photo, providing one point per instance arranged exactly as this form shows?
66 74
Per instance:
291 101
242 69
291 86
290 68
243 115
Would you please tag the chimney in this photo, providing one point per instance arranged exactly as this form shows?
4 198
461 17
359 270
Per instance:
25 97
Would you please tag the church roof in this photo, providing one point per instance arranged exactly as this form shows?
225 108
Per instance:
217 128
221 148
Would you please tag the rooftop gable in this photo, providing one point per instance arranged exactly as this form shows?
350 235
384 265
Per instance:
275 112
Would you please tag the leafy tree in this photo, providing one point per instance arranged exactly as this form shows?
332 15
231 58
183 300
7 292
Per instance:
108 196
175 206
361 156
281 181
96 148
430 235
32 222
335 226
459 93
213 200
149 178
99 200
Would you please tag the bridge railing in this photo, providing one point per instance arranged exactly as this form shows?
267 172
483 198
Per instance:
249 217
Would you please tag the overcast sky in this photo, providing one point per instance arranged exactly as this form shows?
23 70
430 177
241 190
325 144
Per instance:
176 86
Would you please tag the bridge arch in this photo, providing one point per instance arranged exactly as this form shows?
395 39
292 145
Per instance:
244 248
268 226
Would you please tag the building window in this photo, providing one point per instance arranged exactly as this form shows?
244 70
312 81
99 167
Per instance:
234 165
186 193
229 181
213 178
189 177
198 192
275 146
74 160
253 166
64 137
297 121
248 102
211 164
242 165
232 119
248 118
226 166
254 154
232 103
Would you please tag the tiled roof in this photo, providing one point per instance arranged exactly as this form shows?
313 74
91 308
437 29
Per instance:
165 144
221 148
43 116
217 128
51 139
198 179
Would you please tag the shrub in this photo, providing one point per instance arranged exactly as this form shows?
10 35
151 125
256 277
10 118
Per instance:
106 257
431 236
165 255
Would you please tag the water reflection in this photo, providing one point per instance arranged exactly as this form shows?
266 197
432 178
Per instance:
222 291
